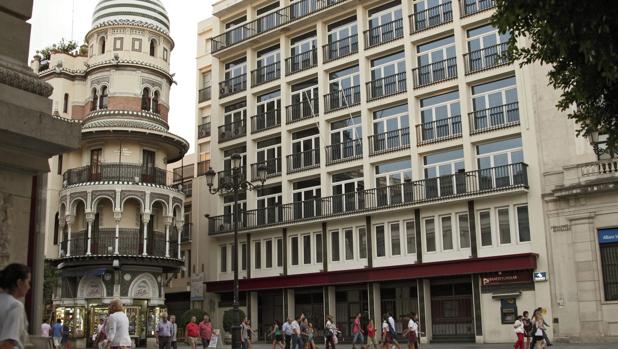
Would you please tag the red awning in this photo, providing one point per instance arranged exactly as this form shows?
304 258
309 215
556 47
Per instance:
524 261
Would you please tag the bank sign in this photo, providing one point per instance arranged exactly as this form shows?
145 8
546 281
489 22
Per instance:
608 236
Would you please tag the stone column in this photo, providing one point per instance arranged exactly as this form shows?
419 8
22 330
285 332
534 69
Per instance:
90 220
117 217
168 222
69 219
145 220
61 223
179 225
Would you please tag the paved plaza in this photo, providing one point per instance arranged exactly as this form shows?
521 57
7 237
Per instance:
450 346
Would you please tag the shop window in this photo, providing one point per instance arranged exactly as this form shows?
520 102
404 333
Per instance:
608 241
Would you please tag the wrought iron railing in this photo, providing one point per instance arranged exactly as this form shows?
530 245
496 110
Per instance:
204 94
273 168
452 187
438 130
301 111
301 61
386 86
266 120
340 48
232 130
470 7
303 161
503 116
431 17
232 86
487 58
133 173
429 74
342 99
265 74
203 130
226 177
348 150
384 33
389 141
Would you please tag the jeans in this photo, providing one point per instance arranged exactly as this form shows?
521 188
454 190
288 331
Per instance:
297 342
329 341
174 345
287 341
165 342
205 343
358 336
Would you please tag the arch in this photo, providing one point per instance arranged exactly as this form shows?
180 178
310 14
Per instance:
95 100
74 203
141 203
91 287
153 47
146 99
102 45
103 99
155 102
62 208
144 286
163 203
98 199
65 103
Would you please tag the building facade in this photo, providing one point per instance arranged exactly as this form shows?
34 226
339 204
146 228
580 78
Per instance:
115 216
404 166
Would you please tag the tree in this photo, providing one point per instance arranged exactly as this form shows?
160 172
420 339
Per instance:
50 282
579 39
228 319
69 47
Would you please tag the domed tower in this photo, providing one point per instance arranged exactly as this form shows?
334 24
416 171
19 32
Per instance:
118 219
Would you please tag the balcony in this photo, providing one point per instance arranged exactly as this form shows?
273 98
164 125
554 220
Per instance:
601 168
187 232
303 161
384 33
203 130
204 94
265 74
232 86
430 74
431 17
346 151
386 86
390 141
301 61
345 98
487 58
202 167
495 118
470 7
300 111
273 168
460 186
130 243
340 48
438 130
265 121
232 130
270 21
118 172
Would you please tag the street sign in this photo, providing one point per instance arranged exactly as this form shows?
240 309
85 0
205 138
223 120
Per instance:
540 276
608 236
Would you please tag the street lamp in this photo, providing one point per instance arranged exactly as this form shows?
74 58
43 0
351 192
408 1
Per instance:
235 183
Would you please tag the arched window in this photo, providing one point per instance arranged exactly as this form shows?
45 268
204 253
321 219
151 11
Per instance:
102 44
103 98
94 100
153 47
146 99
65 105
155 102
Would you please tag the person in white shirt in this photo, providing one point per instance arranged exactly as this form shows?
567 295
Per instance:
412 332
15 284
519 332
45 328
118 327
393 330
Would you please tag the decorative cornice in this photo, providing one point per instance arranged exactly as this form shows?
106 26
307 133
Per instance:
23 78
128 118
133 23
88 184
113 62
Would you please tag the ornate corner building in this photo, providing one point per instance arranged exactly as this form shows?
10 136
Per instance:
114 219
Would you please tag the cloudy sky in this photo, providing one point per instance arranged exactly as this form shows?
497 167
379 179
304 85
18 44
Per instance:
53 20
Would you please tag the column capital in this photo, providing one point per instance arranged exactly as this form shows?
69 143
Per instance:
117 216
179 224
167 220
69 218
90 217
146 217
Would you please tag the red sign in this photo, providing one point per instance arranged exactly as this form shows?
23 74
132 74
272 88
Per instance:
506 278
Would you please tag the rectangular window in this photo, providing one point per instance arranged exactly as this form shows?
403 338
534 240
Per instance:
349 243
609 264
430 234
447 233
464 230
318 248
485 223
523 226
395 239
410 237
258 254
60 164
504 226
223 261
307 249
380 243
294 243
280 252
269 253
362 243
243 256
334 244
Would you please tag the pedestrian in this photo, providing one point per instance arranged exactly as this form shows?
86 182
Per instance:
205 331
311 337
287 332
538 314
45 328
330 332
357 332
66 333
192 332
15 284
100 340
392 330
118 327
527 328
371 335
277 335
519 332
174 332
297 340
57 333
387 340
163 333
244 333
538 342
250 334
304 331
411 332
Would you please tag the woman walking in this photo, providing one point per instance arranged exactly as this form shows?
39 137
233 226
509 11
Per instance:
527 328
387 339
411 332
276 335
118 327
330 331
539 326
15 283
519 332
357 332
371 335
311 337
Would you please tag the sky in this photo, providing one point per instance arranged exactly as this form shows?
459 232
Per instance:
53 20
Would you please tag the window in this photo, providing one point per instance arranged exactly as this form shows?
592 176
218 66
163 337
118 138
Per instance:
306 197
146 99
345 138
295 249
243 256
269 253
165 54
391 129
318 248
362 242
430 234
523 226
65 103
258 254
280 252
447 233
153 47
380 241
445 173
436 60
155 102
60 164
118 43
307 249
395 239
485 224
499 163
464 230
494 104
103 98
95 100
393 182
102 45
609 262
349 243
410 237
136 45
223 256
343 88
334 244
440 116
504 226
269 203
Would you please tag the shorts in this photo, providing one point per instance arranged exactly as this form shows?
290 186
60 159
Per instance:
411 336
539 338
388 338
57 341
278 338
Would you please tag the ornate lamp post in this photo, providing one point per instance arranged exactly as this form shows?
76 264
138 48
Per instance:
235 183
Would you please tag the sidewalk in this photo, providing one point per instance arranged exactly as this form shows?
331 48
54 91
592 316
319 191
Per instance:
444 346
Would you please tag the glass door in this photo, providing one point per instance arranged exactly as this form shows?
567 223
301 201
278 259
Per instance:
444 174
348 192
95 164
148 166
307 202
383 26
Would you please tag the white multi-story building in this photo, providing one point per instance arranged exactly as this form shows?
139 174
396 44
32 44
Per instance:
404 159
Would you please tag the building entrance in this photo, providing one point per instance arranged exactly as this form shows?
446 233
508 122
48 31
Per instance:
270 308
451 311
310 301
350 300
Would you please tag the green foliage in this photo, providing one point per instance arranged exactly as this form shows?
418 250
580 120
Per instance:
50 282
186 317
228 319
63 46
579 40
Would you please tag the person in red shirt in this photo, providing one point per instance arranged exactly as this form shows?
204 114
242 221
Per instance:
206 331
193 332
371 335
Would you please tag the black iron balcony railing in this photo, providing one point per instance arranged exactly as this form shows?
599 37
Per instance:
346 151
203 130
265 74
187 232
303 161
459 186
503 116
272 20
202 167
273 168
386 86
204 94
300 111
340 48
487 58
429 74
384 33
438 130
389 141
232 130
301 61
470 7
431 17
266 120
225 177
342 99
233 85
133 173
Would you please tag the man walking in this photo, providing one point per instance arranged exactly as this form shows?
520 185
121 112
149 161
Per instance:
287 332
206 331
392 330
57 333
163 333
174 332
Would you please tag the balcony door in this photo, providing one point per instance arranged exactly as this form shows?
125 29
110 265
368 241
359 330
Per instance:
496 163
340 88
305 149
444 173
495 103
303 104
348 192
381 26
148 166
383 68
306 197
483 46
340 41
301 52
391 128
440 116
266 68
269 209
268 110
393 182
345 136
95 164
433 60
269 154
